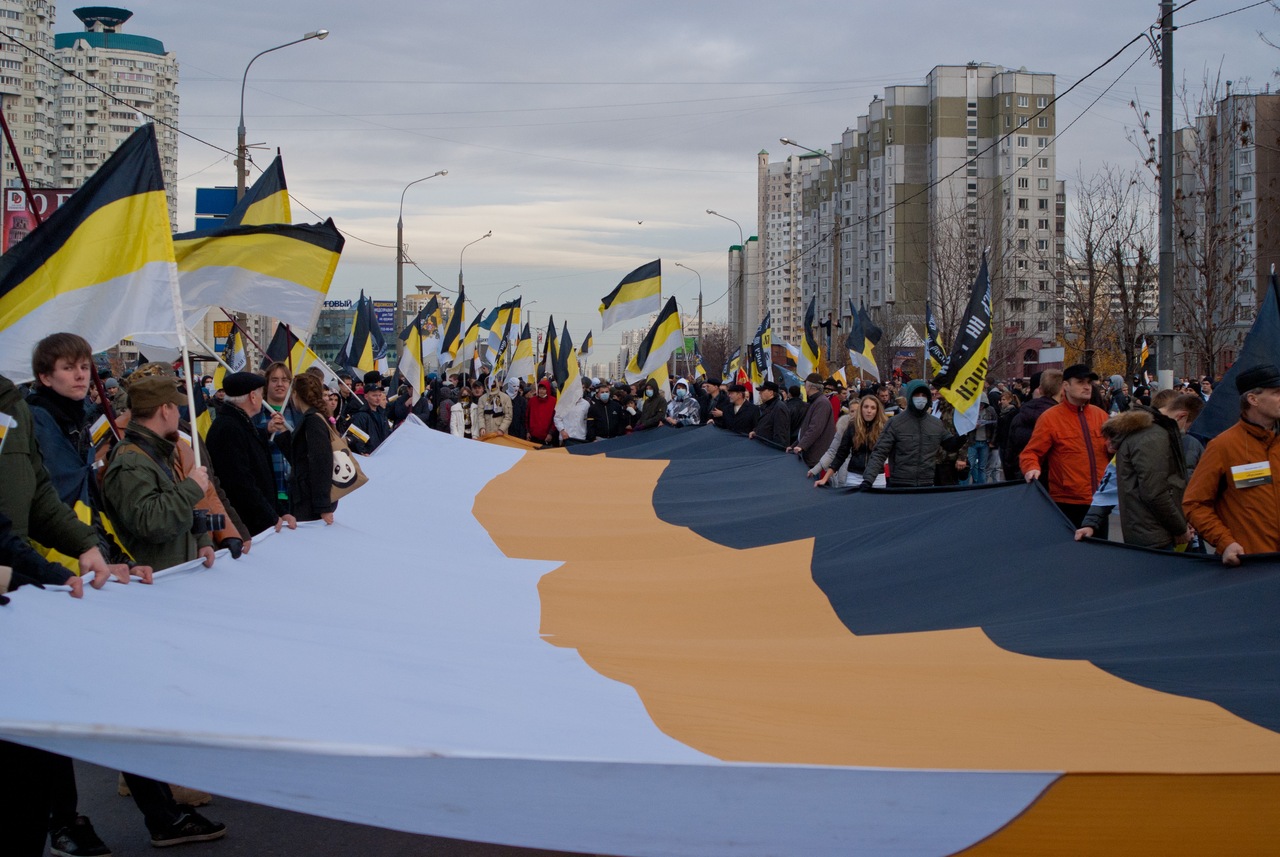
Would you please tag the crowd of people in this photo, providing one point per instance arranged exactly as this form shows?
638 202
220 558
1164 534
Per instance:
99 478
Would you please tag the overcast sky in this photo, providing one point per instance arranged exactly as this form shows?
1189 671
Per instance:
592 137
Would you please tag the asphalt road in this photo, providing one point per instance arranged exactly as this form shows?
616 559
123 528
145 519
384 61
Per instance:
259 831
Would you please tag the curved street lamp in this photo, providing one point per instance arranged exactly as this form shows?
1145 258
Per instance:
464 250
742 270
242 169
400 250
687 268
836 302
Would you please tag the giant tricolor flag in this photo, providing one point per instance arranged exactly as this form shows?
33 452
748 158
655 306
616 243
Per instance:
101 265
790 686
639 293
658 344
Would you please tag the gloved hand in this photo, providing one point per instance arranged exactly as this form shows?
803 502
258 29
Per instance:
234 546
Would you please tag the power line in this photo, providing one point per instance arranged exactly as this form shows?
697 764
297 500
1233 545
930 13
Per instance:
41 56
1222 15
840 229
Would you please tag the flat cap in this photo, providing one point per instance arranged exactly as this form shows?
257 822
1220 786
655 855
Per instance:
1262 375
242 383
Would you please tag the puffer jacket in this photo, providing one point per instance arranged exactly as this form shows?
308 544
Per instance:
1067 444
910 443
542 413
1151 476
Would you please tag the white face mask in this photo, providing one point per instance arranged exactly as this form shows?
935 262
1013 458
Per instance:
919 402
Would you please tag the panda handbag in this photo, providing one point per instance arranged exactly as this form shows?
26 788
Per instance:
347 475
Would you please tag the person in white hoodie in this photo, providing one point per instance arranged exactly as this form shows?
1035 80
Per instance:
464 416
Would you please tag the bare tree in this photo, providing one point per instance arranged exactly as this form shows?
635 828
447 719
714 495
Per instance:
1213 242
1089 284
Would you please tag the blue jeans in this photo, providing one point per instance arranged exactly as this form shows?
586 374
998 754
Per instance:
979 450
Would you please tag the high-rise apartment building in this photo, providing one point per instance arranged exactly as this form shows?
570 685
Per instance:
1227 175
778 225
137 71
904 204
30 90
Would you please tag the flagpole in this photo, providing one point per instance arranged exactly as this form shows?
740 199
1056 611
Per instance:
206 347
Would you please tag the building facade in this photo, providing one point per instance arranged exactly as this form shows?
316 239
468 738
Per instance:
1227 176
902 207
137 71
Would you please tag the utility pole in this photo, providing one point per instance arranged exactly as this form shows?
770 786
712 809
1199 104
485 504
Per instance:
1164 336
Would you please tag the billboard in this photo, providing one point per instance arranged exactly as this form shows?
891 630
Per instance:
18 219
385 313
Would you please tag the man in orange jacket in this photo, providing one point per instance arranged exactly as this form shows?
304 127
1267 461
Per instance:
1232 499
1068 444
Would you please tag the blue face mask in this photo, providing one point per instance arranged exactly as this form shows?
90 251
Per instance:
648 394
682 393
603 395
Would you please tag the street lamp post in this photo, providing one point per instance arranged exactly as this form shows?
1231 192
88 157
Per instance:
464 250
835 301
400 250
242 154
742 269
687 268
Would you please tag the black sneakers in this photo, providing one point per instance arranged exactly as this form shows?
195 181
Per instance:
77 839
191 826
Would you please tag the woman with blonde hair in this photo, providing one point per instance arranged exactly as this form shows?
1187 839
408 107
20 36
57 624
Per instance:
859 439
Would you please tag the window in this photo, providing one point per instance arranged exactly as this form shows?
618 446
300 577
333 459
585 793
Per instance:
1042 223
1022 121
1042 163
1023 142
1042 142
1008 101
1043 285
1246 184
1042 184
1022 263
1022 222
1246 210
1245 158
1042 306
1042 121
1042 102
1022 162
1022 244
1023 203
1023 183
1042 244
1042 326
1022 285
1023 101
1042 204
